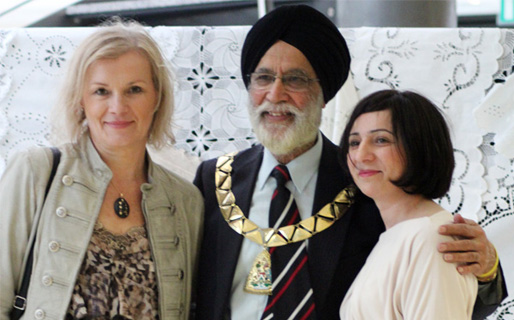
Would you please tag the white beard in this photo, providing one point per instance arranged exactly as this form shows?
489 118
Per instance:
282 139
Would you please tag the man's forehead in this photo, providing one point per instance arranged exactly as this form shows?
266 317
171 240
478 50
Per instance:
285 58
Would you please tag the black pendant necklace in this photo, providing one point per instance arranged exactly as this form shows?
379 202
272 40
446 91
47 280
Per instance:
121 206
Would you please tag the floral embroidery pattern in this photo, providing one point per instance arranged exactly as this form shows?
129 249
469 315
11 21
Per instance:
379 68
463 76
55 56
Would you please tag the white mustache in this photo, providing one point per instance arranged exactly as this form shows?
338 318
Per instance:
272 108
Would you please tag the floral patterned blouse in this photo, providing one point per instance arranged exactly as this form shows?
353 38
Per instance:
117 278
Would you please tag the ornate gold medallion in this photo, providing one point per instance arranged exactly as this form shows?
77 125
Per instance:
259 279
269 237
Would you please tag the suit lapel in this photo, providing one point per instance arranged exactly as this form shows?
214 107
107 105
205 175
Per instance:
244 174
245 169
325 247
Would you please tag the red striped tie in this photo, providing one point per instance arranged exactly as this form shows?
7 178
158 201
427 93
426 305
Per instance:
292 296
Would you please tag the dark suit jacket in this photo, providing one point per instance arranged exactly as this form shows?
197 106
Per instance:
335 255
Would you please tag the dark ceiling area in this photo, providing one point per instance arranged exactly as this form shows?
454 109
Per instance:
170 13
198 13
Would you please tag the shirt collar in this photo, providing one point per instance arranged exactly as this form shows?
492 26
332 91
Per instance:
302 168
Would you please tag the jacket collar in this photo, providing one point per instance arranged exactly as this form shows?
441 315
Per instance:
102 171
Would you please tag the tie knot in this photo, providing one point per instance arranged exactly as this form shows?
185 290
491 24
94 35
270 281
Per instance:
281 174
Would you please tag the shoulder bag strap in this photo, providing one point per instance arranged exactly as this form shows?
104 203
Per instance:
20 300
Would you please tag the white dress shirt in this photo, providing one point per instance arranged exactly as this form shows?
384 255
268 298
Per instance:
304 174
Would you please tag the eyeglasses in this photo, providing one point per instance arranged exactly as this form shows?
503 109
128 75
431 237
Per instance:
291 82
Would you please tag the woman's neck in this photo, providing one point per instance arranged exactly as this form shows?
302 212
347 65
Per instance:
127 164
402 206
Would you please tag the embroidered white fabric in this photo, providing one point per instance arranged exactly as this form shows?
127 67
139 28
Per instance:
455 68
496 114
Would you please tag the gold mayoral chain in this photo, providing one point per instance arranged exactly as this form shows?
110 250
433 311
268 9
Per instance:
259 280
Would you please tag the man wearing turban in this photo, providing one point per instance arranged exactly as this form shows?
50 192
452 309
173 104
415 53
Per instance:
294 60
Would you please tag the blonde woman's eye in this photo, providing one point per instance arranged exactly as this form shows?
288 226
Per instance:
100 91
136 89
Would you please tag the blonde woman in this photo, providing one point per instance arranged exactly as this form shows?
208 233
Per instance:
118 234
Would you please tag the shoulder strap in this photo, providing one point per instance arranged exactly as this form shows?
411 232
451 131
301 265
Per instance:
20 300
57 158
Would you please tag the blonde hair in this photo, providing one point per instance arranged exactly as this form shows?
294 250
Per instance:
113 39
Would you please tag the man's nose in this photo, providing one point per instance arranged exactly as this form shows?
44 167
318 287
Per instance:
277 92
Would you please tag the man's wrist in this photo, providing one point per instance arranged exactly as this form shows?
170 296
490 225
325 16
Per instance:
491 274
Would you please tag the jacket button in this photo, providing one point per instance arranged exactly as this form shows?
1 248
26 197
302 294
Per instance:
54 246
61 212
146 187
181 274
47 281
176 241
67 180
99 173
39 314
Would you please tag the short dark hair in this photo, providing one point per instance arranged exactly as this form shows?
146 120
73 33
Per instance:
421 129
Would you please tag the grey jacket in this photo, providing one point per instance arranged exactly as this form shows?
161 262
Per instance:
173 209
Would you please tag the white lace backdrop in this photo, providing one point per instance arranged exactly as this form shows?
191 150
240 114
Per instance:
465 71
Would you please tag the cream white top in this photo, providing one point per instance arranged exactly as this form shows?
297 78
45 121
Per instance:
405 277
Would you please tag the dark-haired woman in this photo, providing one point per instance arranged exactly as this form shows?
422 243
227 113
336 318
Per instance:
399 153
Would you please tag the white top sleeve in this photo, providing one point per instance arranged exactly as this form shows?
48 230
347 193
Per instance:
405 277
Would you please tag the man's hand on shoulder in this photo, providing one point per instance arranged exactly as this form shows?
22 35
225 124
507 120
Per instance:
472 251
